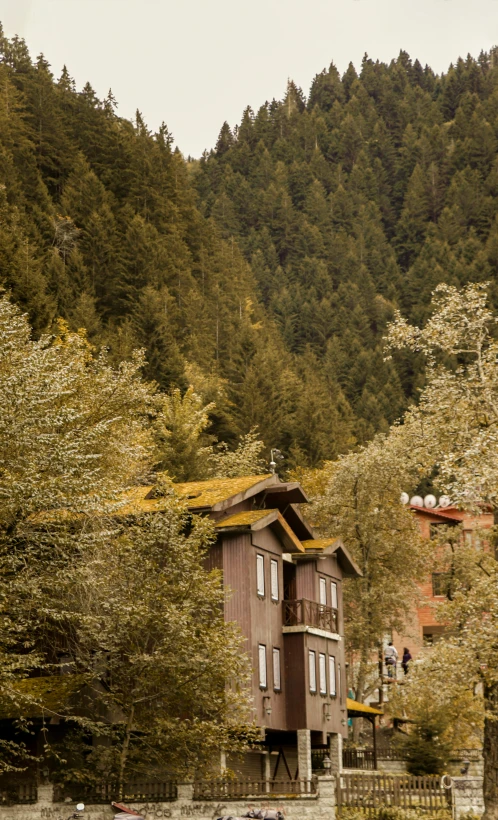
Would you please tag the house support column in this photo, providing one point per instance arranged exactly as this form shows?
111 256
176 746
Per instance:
304 754
267 770
335 753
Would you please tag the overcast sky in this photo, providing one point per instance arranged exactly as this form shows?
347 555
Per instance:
195 63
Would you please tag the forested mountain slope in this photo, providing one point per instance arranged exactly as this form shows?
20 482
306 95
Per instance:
362 197
264 273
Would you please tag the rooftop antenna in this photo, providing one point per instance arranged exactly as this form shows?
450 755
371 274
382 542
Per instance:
275 456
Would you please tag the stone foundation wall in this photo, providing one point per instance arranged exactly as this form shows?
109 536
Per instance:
467 796
313 807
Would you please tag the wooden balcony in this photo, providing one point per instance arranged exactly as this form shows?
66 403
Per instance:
309 613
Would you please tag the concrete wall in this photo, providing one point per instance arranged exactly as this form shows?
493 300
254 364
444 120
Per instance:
312 807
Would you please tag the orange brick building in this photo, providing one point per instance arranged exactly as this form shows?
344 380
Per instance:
423 629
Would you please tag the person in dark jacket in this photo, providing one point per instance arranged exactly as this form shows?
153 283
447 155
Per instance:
406 659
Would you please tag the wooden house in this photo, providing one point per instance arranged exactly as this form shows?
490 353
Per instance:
285 592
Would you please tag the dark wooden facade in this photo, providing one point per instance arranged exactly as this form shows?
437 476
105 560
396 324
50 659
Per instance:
299 610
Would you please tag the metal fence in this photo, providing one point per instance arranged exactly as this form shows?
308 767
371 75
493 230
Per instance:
370 792
157 792
18 792
227 788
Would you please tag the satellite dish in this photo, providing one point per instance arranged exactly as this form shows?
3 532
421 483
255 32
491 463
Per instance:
430 501
404 498
417 501
444 501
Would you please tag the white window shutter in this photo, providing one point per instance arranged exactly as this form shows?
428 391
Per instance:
276 670
323 673
333 594
274 579
262 666
332 686
312 670
323 591
260 567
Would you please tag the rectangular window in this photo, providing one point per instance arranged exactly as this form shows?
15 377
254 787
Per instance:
276 670
322 670
333 595
262 666
260 574
312 669
323 591
339 681
274 579
332 687
441 582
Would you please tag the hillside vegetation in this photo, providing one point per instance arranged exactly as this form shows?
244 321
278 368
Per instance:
264 273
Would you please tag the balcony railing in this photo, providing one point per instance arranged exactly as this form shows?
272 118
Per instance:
309 613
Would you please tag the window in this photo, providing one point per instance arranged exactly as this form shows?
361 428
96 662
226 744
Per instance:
332 688
312 668
262 666
435 529
322 671
441 583
276 670
339 681
260 575
333 595
323 591
274 579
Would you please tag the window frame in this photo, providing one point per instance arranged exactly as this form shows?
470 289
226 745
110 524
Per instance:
339 681
312 670
440 591
277 679
334 595
322 587
260 575
274 577
322 668
332 677
262 667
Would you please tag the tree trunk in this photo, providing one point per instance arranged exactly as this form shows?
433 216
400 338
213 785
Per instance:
124 750
490 753
360 689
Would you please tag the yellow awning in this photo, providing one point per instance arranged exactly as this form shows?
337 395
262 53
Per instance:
361 708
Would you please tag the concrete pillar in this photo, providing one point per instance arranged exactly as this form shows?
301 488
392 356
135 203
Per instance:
223 763
335 753
185 791
304 754
267 770
468 797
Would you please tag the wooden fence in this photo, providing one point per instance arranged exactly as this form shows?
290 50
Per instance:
370 792
225 788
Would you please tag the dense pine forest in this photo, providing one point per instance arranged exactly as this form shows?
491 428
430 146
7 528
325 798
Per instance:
263 273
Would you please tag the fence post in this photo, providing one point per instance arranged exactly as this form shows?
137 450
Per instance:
185 791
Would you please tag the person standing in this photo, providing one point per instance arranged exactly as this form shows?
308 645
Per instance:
406 660
390 658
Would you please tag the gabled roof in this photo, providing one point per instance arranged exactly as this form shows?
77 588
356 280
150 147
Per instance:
220 493
255 520
215 494
442 514
333 546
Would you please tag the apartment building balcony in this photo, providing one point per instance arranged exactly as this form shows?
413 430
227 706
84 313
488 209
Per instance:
309 616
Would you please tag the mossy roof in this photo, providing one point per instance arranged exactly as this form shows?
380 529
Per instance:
245 519
318 543
213 492
38 697
198 494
